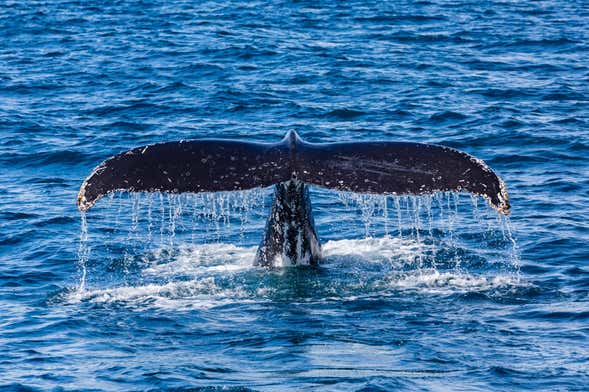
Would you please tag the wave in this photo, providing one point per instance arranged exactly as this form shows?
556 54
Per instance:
345 114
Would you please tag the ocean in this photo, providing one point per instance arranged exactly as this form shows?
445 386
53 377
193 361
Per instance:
157 292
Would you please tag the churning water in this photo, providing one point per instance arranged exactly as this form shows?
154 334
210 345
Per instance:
158 292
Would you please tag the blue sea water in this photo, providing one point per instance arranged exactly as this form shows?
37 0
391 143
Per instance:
157 292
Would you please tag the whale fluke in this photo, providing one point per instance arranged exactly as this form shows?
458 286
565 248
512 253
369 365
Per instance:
187 166
400 168
210 165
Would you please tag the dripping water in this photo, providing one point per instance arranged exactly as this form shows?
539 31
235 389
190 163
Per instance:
442 230
83 252
445 220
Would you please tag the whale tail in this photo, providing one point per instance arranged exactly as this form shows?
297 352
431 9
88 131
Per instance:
211 165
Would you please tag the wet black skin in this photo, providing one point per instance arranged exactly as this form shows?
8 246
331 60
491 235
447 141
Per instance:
290 237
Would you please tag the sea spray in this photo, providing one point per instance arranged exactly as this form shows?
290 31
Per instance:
83 252
514 254
439 233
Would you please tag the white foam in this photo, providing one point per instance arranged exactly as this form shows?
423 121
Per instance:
376 249
202 259
202 276
436 282
201 293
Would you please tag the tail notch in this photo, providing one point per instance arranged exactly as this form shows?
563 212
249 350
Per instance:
211 165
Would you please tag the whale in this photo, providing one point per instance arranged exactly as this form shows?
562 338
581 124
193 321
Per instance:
291 166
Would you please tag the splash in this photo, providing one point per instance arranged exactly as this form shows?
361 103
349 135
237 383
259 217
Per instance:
209 275
199 247
451 220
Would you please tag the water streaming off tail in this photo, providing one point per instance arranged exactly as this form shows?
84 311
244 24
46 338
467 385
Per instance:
201 246
451 221
83 251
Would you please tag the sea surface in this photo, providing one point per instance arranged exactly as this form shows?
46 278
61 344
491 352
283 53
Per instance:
150 292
